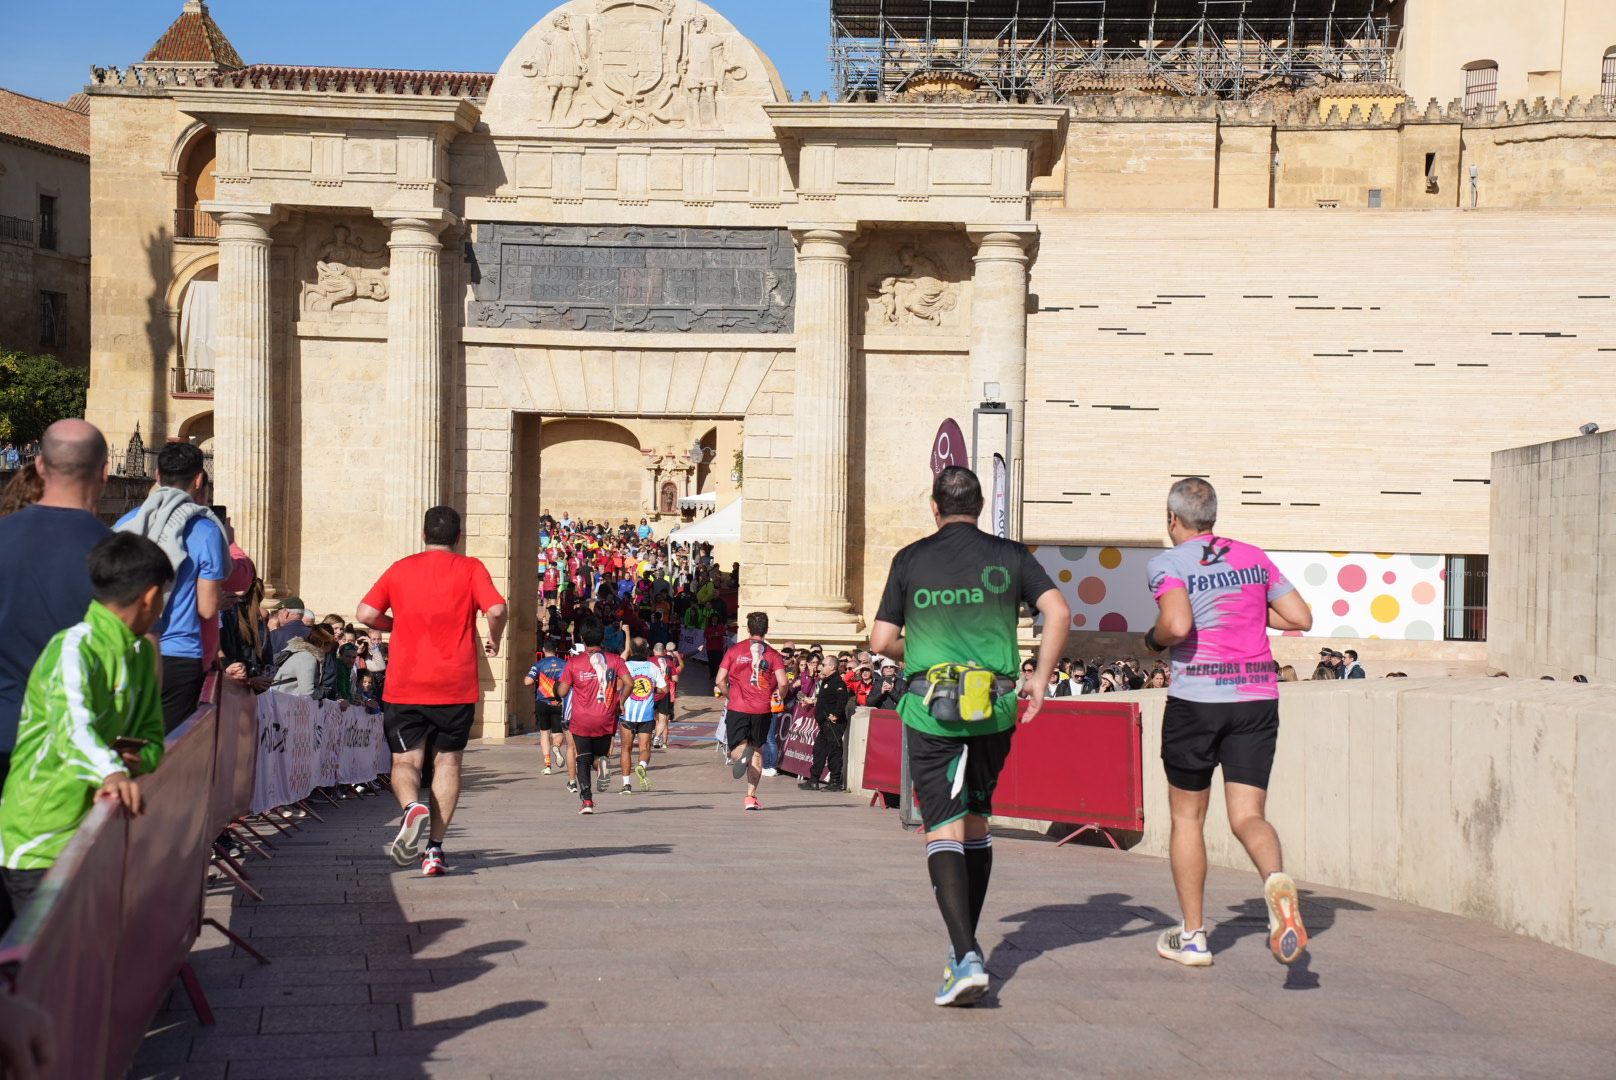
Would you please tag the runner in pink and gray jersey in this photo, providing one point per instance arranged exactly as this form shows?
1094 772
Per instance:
1218 598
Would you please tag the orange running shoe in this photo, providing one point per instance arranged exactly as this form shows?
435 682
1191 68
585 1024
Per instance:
752 803
1287 937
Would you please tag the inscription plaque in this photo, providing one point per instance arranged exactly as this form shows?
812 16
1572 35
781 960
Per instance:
632 279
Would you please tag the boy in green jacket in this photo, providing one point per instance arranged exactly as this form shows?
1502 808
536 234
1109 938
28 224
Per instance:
95 684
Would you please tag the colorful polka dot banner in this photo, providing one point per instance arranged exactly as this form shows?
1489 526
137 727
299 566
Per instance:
1353 595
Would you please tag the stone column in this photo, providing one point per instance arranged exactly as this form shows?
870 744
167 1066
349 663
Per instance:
415 398
816 596
999 343
244 386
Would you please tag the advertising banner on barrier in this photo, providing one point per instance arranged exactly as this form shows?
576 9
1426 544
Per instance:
304 744
797 748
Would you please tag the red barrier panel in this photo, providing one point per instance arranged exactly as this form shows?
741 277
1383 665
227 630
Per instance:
883 765
1079 762
234 760
65 944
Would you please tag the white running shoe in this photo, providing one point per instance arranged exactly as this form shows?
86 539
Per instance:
1287 937
771 772
1191 950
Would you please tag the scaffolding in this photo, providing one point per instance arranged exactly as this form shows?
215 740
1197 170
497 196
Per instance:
1049 51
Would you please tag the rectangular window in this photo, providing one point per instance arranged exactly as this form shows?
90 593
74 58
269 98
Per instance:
1466 615
1607 84
51 310
47 222
1374 198
1481 91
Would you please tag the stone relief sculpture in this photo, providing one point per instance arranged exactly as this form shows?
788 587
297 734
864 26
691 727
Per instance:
626 65
919 292
346 270
703 70
559 67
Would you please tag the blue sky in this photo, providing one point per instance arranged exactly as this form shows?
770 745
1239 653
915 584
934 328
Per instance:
52 43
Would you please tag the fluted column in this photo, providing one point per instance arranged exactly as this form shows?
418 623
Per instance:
244 389
817 583
415 401
999 344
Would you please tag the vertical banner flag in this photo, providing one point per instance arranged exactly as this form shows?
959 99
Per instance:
948 448
1001 498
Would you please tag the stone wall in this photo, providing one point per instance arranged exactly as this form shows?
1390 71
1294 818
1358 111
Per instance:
1552 601
1342 379
1175 154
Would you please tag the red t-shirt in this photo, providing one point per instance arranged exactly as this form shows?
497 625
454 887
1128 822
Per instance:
594 709
435 597
744 696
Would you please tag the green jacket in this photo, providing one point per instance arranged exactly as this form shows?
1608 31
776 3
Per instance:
94 682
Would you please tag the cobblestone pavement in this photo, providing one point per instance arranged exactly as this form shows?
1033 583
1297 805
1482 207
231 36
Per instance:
673 933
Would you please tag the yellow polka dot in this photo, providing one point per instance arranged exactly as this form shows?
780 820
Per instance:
1336 554
1032 547
1383 555
1110 558
1385 608
1066 575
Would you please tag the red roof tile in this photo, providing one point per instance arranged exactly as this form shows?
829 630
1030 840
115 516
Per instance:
194 39
44 123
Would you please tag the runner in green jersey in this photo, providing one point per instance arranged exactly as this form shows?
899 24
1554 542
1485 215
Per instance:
956 597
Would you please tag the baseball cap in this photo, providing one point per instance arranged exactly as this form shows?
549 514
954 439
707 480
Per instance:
291 603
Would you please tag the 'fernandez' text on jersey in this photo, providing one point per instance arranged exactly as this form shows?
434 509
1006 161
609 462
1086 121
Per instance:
958 595
1230 585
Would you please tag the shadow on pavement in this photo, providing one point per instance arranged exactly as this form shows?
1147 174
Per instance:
472 861
1056 926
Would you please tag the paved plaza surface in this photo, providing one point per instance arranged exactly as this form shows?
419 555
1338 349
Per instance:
672 933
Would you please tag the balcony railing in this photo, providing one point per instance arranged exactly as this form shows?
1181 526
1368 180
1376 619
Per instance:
195 225
193 382
20 230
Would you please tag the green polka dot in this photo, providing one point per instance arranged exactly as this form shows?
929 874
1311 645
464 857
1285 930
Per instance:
1073 553
1316 574
1345 631
1425 562
1419 630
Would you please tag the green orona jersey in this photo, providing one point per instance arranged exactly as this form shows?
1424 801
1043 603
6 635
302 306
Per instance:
958 595
95 682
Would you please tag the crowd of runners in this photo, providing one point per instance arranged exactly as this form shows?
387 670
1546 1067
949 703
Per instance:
620 617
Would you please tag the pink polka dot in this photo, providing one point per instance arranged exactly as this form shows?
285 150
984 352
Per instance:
1341 607
1388 577
1113 622
1443 574
1079 621
1424 593
1091 590
1292 633
1352 578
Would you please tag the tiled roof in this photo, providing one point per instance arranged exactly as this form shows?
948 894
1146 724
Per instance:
194 39
473 84
44 123
79 103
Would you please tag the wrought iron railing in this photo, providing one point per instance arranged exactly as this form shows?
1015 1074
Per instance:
192 224
20 230
193 382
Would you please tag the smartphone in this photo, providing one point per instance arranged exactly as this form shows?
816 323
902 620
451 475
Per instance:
125 745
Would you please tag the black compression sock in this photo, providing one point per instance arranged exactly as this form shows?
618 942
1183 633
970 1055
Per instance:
945 859
978 868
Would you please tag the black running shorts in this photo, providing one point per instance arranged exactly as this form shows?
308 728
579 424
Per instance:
744 727
641 728
954 777
1200 736
408 726
664 707
549 716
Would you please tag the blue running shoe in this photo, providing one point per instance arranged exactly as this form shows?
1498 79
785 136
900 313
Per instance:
964 982
1191 950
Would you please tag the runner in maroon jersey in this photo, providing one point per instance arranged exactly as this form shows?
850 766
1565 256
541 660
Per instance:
752 673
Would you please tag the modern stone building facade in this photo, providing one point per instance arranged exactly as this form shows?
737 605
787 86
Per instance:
630 233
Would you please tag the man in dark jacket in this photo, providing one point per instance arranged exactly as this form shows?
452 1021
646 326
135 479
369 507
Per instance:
888 687
832 699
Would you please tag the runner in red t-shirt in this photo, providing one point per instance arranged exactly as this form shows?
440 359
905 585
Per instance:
595 684
430 698
668 659
752 673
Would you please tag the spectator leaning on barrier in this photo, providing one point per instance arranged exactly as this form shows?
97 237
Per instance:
92 715
195 542
298 666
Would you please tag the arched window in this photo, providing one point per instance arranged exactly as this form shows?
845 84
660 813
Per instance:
1607 82
1481 88
198 333
196 162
